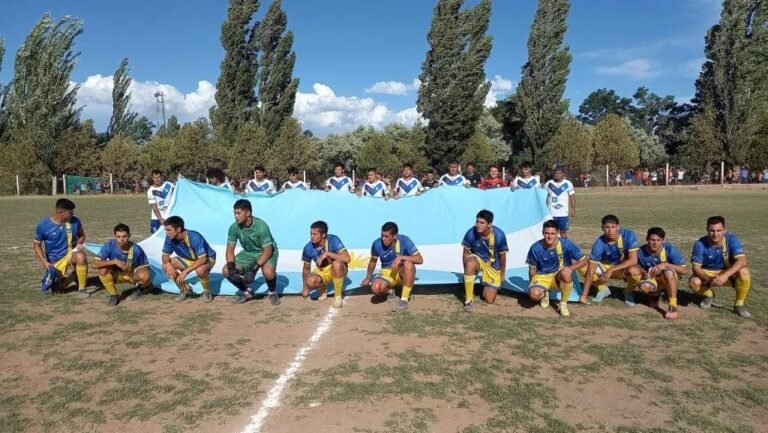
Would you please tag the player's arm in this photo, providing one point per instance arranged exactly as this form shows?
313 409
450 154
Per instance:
342 256
156 211
503 265
229 253
80 236
305 271
200 261
38 249
591 269
266 254
572 204
531 272
414 258
736 266
626 264
369 272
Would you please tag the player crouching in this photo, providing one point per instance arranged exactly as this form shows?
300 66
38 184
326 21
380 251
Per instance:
661 265
122 261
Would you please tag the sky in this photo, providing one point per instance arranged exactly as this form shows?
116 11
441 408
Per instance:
358 61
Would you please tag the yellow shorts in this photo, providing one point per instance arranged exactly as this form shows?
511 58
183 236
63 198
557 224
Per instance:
390 276
187 263
602 267
545 281
127 276
713 273
63 264
326 274
659 283
491 275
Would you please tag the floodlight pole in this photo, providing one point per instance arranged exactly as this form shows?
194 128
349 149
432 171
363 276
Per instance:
18 186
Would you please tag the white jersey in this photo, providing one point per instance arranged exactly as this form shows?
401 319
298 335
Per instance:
225 185
408 188
343 183
263 186
298 185
525 182
457 180
376 189
161 196
558 197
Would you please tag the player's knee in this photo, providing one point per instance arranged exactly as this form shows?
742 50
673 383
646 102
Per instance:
694 283
79 258
143 276
564 278
489 295
535 293
268 272
313 282
743 272
104 271
338 267
378 287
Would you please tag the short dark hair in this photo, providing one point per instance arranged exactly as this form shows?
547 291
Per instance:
259 168
215 173
243 204
557 168
65 204
453 162
122 228
339 164
293 170
429 171
496 166
715 220
370 170
408 165
472 164
389 227
658 231
550 224
486 215
610 218
321 226
156 172
526 164
174 221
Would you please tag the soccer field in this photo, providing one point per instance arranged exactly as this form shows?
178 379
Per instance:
156 365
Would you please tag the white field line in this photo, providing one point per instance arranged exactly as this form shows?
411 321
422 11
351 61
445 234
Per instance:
273 396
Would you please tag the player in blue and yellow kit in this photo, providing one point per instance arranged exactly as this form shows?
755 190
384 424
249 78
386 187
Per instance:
718 259
615 250
58 244
331 258
661 265
122 261
399 257
192 254
485 250
551 263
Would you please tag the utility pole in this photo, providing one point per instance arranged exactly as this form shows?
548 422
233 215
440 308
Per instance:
160 99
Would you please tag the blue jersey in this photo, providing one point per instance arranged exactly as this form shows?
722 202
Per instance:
409 187
716 257
57 239
402 246
487 249
192 247
342 183
311 252
522 183
668 254
134 256
376 189
453 180
613 254
550 260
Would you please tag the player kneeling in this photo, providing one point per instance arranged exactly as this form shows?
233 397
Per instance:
122 261
661 265
485 250
331 258
551 263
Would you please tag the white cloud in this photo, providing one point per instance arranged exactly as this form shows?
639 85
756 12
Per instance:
500 87
394 87
691 68
633 69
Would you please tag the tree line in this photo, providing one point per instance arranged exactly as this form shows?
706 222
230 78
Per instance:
42 133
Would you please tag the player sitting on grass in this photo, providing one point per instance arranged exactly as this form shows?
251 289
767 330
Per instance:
122 261
193 254
551 263
485 250
58 244
661 265
399 257
614 251
718 259
331 259
259 251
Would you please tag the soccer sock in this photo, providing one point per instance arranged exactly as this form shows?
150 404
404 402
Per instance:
707 293
108 283
206 283
632 280
565 292
82 276
742 288
272 285
406 293
672 302
469 288
338 286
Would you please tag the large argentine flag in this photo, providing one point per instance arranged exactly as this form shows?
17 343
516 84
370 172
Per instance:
436 221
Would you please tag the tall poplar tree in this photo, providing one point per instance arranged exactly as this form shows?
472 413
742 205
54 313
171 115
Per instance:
122 116
3 93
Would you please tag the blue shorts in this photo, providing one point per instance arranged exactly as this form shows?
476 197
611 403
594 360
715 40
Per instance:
562 223
154 225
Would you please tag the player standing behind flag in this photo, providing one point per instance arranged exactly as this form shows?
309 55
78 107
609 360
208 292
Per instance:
408 186
399 257
494 180
453 177
293 181
122 261
259 251
216 177
259 183
331 258
561 200
473 177
525 180
551 263
661 265
485 250
339 181
159 197
58 244
374 187
718 259
193 254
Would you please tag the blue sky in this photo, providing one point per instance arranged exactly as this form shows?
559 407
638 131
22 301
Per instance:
357 60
